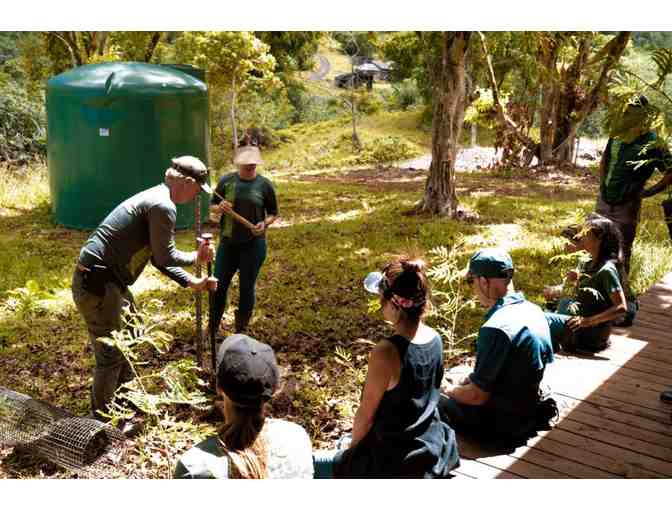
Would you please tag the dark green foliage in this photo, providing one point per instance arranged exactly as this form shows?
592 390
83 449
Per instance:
360 44
293 51
652 39
22 125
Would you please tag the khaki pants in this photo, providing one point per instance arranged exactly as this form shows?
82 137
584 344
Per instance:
102 316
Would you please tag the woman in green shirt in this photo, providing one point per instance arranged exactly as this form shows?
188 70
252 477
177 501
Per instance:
241 249
584 320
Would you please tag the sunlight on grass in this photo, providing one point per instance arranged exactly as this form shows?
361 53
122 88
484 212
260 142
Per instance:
310 301
22 189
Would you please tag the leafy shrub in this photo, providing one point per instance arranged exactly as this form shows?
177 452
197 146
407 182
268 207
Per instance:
482 111
22 125
406 94
450 301
356 43
368 102
380 150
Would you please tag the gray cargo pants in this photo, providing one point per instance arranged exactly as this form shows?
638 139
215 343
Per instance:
626 216
102 316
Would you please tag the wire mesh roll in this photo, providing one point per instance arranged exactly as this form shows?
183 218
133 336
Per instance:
78 444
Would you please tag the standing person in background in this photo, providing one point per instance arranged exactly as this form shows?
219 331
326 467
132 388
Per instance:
622 181
139 230
240 249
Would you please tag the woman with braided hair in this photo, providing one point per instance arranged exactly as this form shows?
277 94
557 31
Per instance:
397 431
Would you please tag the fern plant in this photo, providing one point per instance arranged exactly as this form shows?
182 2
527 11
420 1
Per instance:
449 297
151 393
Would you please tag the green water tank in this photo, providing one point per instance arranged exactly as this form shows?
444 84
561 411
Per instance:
112 129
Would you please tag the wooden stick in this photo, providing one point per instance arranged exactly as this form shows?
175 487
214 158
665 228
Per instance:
207 238
235 215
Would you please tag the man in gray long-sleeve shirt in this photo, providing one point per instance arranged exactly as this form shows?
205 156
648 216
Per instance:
139 230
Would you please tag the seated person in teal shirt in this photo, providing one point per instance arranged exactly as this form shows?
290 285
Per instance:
500 402
584 321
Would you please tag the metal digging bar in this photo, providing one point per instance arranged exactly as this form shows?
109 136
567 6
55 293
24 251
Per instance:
198 297
78 444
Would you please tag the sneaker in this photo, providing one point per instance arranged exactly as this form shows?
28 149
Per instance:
629 317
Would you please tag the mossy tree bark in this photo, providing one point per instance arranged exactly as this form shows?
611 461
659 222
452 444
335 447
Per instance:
449 100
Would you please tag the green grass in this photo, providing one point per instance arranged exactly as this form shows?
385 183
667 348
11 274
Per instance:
311 306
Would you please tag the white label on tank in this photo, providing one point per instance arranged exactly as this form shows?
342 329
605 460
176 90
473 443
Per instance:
104 131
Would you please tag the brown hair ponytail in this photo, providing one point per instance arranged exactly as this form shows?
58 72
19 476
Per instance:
242 439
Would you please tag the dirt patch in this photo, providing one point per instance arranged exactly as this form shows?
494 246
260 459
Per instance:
550 182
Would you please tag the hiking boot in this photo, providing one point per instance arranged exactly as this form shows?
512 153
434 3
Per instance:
629 317
242 320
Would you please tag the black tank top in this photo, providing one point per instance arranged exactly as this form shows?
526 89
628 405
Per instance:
408 438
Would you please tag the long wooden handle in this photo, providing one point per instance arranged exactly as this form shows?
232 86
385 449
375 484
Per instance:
207 238
235 215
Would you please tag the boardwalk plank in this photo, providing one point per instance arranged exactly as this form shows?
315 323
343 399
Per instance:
630 463
634 431
521 467
603 411
479 470
559 462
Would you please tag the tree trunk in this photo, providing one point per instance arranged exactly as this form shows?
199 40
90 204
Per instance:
448 108
568 102
356 142
234 130
571 109
548 57
153 43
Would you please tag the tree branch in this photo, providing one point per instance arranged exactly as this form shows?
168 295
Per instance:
68 46
503 117
153 43
649 85
615 47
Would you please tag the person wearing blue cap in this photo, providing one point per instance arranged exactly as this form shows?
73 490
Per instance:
500 401
397 431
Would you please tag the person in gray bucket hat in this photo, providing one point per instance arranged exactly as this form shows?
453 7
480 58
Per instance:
242 249
248 444
139 230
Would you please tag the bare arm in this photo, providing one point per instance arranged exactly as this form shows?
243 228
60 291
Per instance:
383 364
619 307
468 394
658 187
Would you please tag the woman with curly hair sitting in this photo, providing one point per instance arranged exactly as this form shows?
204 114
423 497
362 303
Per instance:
584 321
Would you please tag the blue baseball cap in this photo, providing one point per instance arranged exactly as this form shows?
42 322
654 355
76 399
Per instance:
490 263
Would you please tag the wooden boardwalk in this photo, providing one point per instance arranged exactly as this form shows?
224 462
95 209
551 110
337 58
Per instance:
612 423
